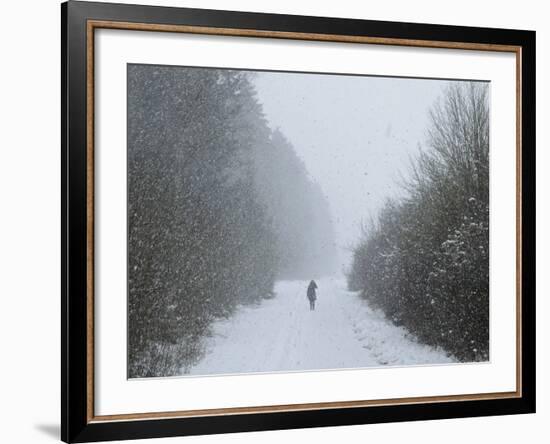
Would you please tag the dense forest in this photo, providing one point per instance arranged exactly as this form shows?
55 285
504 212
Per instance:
424 260
300 212
219 207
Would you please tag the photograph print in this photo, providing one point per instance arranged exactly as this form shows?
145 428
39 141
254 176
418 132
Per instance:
289 221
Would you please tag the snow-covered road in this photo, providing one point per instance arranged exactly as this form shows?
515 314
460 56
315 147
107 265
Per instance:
282 334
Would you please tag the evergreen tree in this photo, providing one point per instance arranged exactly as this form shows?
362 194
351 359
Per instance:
203 234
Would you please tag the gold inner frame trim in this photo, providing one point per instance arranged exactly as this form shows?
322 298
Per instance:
96 24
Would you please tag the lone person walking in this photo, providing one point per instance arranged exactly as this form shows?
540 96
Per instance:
311 295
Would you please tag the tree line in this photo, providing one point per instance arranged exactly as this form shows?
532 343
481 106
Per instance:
209 224
424 260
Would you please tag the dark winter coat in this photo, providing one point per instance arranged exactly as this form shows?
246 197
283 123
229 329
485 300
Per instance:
311 291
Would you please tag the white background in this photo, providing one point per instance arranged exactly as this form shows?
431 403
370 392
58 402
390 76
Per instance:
30 203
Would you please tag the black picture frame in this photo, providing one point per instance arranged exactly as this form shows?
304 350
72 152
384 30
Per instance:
77 425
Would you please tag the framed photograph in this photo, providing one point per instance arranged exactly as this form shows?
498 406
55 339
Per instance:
275 221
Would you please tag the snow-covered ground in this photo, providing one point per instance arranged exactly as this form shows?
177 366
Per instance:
282 334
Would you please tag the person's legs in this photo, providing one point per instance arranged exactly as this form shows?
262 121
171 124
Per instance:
311 304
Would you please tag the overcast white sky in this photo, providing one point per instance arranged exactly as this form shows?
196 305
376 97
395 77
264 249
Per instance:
354 134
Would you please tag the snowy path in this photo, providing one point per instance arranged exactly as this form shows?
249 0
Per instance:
282 334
